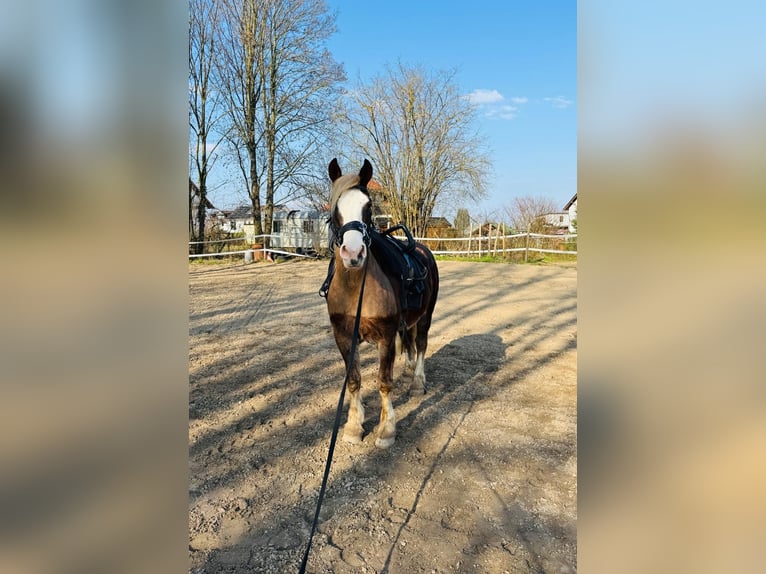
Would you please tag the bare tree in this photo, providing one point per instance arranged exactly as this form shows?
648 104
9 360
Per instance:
418 131
241 39
204 109
526 213
300 77
279 78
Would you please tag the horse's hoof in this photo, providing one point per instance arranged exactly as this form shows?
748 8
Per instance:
384 442
353 438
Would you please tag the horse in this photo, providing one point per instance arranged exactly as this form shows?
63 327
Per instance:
386 313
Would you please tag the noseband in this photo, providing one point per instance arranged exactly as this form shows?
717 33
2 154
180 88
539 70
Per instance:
359 226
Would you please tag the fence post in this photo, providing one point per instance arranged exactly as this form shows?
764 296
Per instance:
526 245
504 233
489 240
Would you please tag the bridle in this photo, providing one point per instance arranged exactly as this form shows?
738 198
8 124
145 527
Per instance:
359 226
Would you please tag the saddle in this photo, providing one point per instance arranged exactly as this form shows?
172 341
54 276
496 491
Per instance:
397 258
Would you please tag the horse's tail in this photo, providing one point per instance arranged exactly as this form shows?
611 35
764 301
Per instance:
404 340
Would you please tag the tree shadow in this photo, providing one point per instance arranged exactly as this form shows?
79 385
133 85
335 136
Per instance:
458 376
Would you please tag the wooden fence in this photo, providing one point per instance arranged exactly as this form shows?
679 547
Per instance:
491 245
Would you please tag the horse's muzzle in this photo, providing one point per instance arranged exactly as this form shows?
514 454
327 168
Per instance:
353 258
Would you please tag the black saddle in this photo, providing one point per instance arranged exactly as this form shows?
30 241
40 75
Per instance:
397 258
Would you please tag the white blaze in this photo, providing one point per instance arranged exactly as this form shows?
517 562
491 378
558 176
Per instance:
350 208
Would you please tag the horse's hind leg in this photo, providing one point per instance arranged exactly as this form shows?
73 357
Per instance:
408 342
352 430
421 344
386 430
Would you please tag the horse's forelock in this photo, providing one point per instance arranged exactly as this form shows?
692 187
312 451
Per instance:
343 183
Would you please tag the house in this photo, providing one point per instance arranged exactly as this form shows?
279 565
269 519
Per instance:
305 231
571 209
439 227
557 222
241 219
194 201
217 221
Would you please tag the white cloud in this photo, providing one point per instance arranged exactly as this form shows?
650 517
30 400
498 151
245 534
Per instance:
491 102
504 112
481 97
559 102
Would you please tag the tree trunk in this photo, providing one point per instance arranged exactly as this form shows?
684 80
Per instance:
269 207
255 192
199 247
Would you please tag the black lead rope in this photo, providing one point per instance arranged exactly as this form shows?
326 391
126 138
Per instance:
336 426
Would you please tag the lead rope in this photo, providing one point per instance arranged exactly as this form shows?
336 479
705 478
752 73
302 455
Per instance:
336 426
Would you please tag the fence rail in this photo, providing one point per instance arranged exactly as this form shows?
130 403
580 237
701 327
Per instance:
498 245
240 246
492 245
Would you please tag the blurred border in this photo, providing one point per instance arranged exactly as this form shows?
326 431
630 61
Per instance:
93 356
672 273
94 353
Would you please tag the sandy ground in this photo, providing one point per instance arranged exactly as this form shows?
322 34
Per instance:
482 477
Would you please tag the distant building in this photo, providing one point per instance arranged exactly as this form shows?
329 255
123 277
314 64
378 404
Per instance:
557 222
562 222
571 209
194 200
241 220
304 231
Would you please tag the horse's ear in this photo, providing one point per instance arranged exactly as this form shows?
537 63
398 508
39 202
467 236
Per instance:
334 169
365 174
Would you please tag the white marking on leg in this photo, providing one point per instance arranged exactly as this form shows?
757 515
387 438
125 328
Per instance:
387 428
419 382
352 431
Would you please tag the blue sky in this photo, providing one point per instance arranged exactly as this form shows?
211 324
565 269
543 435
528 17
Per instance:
518 62
518 57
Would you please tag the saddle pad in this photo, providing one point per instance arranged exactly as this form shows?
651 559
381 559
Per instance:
401 260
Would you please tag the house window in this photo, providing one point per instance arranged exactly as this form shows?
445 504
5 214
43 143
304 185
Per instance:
308 226
277 226
561 219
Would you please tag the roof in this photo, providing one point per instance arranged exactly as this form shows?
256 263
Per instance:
300 214
194 190
570 202
438 222
241 212
246 211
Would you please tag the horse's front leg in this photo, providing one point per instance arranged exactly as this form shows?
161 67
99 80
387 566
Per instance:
386 431
352 431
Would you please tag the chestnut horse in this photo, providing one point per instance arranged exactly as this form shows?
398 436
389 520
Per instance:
384 311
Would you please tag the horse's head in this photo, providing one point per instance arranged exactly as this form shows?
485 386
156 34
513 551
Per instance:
351 213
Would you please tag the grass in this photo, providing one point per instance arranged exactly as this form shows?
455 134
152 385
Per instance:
534 258
224 260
